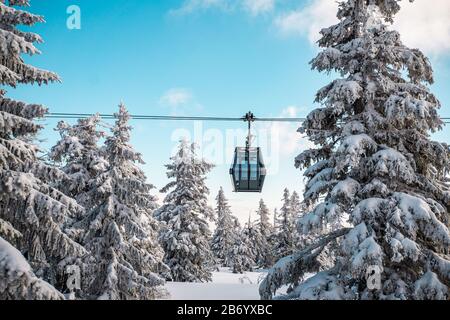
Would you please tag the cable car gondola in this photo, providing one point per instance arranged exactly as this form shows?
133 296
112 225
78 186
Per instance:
248 171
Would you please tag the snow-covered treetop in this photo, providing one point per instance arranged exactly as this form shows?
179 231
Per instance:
264 220
286 201
118 146
124 171
222 207
77 140
80 156
189 188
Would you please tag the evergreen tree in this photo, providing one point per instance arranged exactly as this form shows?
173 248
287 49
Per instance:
376 163
80 157
263 222
224 235
32 213
120 230
265 257
286 240
78 154
297 212
186 235
243 254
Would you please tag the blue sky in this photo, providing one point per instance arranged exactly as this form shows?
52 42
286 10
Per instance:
198 58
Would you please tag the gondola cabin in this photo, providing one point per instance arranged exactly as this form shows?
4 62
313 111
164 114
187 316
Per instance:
248 171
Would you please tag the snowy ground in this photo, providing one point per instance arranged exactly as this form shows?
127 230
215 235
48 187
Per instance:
225 286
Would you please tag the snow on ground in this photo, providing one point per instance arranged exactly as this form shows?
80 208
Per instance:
225 286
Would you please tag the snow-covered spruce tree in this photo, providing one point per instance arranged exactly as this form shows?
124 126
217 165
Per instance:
80 157
186 236
243 255
224 236
120 231
285 243
264 257
78 154
374 162
31 212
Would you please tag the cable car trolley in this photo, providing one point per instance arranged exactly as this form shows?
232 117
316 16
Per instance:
248 171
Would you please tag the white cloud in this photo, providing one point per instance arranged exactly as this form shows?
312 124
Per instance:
290 142
176 97
425 25
254 7
189 6
422 24
309 20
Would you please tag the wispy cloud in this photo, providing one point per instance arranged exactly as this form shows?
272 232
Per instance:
176 97
180 101
290 141
308 21
190 6
253 7
257 7
422 24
